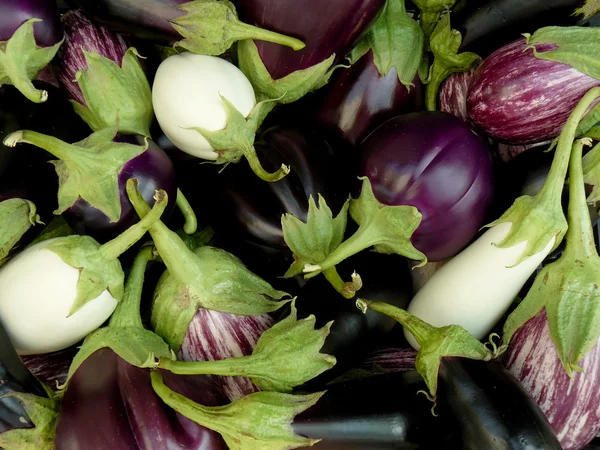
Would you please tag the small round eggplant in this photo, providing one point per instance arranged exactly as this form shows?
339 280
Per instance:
13 13
153 169
435 162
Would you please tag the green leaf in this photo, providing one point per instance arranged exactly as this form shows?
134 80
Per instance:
312 242
56 228
288 89
393 26
88 169
286 356
115 96
577 47
431 10
21 59
590 8
210 27
591 173
16 217
43 412
445 43
259 421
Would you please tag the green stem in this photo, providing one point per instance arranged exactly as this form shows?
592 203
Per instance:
580 237
422 331
119 245
428 22
431 92
339 285
127 313
229 367
245 31
250 154
191 223
52 145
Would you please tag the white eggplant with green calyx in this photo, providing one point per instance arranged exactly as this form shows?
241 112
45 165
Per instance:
207 278
476 288
59 290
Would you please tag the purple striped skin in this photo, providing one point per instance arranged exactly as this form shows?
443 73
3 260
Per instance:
51 368
571 406
453 94
82 33
335 26
359 99
213 335
13 13
518 98
391 360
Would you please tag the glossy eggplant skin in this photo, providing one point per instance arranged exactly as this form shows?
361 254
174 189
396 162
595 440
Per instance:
435 162
153 169
109 404
333 27
148 19
13 13
359 99
376 413
493 410
355 335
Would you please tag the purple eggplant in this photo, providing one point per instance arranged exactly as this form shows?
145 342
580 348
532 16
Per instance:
435 162
360 99
334 27
453 94
572 405
518 98
390 360
13 13
51 368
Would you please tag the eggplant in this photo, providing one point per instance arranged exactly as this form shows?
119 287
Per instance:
453 94
572 405
390 360
518 98
435 162
359 99
51 368
13 13
334 27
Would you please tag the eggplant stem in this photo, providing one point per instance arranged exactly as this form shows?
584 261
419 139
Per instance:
246 31
119 245
52 145
191 222
252 158
351 246
344 289
229 367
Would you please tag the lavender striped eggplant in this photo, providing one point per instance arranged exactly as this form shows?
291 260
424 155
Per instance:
51 368
453 94
518 98
213 336
391 360
572 406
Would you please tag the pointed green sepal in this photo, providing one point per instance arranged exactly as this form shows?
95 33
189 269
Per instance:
591 173
431 10
88 169
259 421
16 218
115 94
57 227
588 9
210 27
21 59
287 89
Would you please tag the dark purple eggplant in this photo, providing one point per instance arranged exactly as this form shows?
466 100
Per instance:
487 25
435 162
360 99
13 13
518 98
334 27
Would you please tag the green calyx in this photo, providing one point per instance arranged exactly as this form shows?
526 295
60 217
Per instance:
115 95
588 9
445 43
207 278
57 227
88 169
540 219
431 11
16 216
393 26
236 140
286 355
259 421
98 265
591 173
21 59
210 27
569 288
287 89
436 343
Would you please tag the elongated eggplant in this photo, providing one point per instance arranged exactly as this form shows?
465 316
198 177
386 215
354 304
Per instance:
360 99
13 13
390 360
51 368
518 98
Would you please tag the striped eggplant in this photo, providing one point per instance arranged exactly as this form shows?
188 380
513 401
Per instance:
51 368
390 360
453 94
518 98
572 406
214 335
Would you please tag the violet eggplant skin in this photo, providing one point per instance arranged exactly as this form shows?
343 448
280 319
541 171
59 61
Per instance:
435 162
51 368
13 13
572 405
453 94
334 27
354 335
110 404
145 20
382 412
519 99
153 169
359 99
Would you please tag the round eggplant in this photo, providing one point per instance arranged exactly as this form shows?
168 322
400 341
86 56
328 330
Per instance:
13 13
